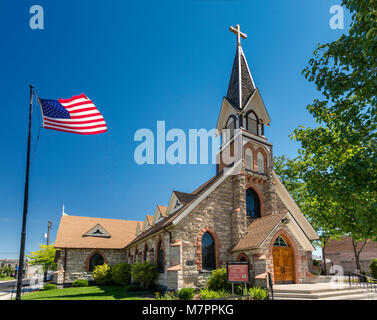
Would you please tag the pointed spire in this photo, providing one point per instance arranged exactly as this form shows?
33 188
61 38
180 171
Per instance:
241 84
63 213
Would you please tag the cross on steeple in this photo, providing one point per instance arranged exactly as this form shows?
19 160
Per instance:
237 31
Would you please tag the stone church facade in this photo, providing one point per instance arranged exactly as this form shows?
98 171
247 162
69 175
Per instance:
243 213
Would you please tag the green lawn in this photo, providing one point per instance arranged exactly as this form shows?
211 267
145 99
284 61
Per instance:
6 279
88 293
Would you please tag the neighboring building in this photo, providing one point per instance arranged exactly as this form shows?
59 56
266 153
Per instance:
13 263
340 252
243 213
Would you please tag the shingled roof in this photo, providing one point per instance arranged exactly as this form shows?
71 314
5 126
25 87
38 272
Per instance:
162 209
241 84
167 221
258 231
73 228
184 197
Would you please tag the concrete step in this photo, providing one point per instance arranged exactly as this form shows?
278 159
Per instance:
348 294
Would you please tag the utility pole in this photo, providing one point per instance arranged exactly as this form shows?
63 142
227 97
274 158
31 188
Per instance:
49 226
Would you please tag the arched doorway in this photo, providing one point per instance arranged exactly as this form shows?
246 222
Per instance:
282 252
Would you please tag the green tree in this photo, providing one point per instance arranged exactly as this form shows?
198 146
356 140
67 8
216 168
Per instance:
317 210
338 158
44 257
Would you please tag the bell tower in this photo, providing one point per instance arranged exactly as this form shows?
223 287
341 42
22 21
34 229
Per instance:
243 115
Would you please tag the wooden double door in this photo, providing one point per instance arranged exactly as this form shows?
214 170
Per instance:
284 271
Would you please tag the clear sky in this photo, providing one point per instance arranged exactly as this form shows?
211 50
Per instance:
140 62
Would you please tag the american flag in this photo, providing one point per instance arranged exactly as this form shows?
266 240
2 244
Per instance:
76 115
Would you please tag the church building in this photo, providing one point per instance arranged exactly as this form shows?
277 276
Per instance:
243 213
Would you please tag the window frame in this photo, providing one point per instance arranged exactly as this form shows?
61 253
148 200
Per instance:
212 255
257 204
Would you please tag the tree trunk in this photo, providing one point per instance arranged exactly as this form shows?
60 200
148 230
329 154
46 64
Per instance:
357 252
325 240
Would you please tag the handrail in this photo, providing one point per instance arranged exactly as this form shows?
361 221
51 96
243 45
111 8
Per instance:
270 285
362 281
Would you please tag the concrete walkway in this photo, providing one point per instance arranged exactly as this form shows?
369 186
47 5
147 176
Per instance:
322 291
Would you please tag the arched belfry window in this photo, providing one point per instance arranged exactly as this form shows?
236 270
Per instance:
252 204
160 258
208 252
231 126
249 159
260 159
252 122
95 260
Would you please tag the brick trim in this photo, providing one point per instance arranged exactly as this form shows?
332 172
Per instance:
198 245
91 255
243 255
260 196
249 146
264 153
290 243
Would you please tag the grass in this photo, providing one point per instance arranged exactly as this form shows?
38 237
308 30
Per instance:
89 293
6 278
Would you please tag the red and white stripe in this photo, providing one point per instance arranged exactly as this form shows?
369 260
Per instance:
85 118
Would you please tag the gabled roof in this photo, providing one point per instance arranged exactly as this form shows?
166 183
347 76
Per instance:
184 197
167 221
148 221
72 233
162 209
241 84
258 231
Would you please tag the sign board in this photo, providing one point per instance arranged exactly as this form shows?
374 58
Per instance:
238 272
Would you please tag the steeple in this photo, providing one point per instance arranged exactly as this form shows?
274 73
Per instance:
241 84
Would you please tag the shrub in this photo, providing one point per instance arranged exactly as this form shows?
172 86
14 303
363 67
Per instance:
315 263
258 293
134 288
218 281
80 283
121 274
206 294
145 273
166 296
102 275
186 293
49 286
373 268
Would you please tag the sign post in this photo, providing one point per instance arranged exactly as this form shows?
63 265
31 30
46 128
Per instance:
238 272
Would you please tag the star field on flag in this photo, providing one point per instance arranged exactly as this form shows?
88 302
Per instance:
76 115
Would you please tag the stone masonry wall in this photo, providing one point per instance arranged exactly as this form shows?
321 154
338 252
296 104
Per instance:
77 259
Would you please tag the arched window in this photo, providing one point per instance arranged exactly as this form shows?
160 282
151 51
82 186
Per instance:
95 260
208 252
280 242
145 253
249 159
260 159
243 259
252 122
231 125
160 258
252 204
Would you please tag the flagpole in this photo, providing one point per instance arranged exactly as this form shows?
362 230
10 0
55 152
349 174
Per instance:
26 198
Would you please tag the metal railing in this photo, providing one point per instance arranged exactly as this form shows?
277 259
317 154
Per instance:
362 281
270 286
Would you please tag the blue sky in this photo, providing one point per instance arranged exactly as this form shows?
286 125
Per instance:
139 62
